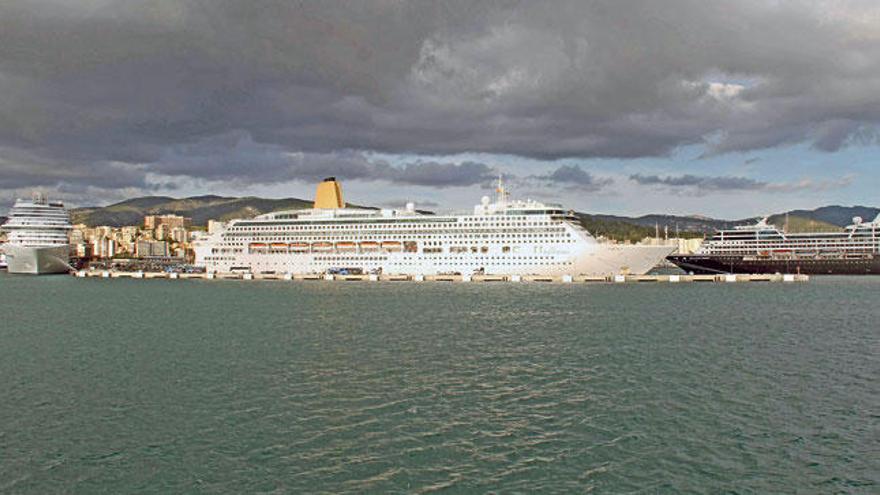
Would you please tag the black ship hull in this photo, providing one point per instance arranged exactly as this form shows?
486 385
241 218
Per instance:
705 265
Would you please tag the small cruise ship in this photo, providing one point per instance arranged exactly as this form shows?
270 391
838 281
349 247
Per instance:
501 237
764 248
38 237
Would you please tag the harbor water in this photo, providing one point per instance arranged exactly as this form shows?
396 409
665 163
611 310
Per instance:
161 386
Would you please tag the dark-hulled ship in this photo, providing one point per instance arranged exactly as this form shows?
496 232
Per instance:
763 248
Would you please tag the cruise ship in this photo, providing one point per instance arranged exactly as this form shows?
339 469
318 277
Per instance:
501 237
764 248
38 237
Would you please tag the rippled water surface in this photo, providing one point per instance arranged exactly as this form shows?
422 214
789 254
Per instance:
207 386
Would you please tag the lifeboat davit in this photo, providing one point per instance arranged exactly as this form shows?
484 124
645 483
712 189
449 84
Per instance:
392 246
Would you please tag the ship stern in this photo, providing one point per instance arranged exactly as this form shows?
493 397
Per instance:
37 260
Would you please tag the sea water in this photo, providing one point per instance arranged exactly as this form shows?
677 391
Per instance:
167 386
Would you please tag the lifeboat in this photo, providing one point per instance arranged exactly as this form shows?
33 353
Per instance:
299 246
257 245
369 246
346 246
392 246
322 246
279 245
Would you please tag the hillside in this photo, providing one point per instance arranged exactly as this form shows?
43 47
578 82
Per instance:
681 223
200 209
824 219
797 223
615 227
840 216
204 208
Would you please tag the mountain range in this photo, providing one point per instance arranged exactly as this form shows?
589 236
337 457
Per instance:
199 208
204 208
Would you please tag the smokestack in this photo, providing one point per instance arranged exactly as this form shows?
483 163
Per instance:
329 194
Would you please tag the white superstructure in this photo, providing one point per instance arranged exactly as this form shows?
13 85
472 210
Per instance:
501 237
762 239
38 237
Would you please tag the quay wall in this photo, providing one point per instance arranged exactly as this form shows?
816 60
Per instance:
564 279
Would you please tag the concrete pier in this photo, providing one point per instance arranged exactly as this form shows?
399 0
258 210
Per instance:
564 279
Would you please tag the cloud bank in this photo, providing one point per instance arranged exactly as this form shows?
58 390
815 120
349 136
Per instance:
114 93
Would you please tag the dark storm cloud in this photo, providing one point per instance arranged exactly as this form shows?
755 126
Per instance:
235 156
574 177
441 174
704 184
710 183
90 86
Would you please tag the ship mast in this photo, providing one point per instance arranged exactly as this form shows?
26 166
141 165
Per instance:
502 193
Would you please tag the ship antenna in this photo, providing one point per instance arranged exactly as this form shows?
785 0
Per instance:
502 194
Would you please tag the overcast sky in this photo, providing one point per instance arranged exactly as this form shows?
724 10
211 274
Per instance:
720 108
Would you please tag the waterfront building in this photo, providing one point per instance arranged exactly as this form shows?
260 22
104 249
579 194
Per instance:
151 249
83 250
129 233
152 222
162 232
104 247
179 235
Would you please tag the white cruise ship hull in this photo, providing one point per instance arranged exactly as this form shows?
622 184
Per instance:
501 238
593 259
616 259
37 260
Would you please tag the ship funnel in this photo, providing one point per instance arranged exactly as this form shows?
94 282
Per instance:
329 194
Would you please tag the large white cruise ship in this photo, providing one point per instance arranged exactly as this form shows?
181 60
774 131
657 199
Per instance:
502 237
38 237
